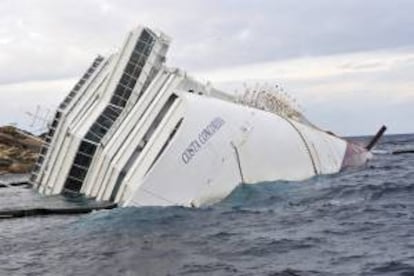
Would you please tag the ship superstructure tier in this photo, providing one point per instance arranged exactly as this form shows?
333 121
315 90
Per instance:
136 132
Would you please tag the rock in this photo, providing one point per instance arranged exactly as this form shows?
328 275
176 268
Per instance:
20 168
5 162
18 150
8 129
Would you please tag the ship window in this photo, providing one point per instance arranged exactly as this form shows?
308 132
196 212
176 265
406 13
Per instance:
33 177
105 117
87 148
118 101
123 91
78 172
104 121
111 113
141 62
125 79
140 46
145 36
43 151
130 75
147 51
132 83
134 57
75 179
120 90
82 160
73 184
36 168
130 68
85 154
92 137
111 119
103 128
137 70
54 123
40 159
51 132
98 130
127 93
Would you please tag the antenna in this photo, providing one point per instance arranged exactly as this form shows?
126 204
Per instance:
40 118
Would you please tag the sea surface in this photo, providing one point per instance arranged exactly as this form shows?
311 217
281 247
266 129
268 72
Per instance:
358 222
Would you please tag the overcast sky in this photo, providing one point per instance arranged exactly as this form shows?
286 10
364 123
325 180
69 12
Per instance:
349 63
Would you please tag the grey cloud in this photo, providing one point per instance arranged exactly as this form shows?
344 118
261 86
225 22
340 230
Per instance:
353 117
354 102
54 39
364 65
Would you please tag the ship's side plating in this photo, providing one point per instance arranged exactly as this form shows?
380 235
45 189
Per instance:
136 132
220 145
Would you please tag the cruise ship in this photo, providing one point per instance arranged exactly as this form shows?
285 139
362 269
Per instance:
136 132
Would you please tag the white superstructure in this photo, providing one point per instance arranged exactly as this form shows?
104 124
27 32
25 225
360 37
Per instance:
136 132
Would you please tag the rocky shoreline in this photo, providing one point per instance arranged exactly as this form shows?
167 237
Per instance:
18 150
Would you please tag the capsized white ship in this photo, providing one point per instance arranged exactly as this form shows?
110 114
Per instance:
138 133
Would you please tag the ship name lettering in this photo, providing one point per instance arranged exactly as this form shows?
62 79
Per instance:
203 137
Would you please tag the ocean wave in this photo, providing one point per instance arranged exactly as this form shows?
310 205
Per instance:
357 222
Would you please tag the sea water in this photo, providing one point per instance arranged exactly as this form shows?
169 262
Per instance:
357 222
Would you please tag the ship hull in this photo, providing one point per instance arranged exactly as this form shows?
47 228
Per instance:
220 145
138 133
